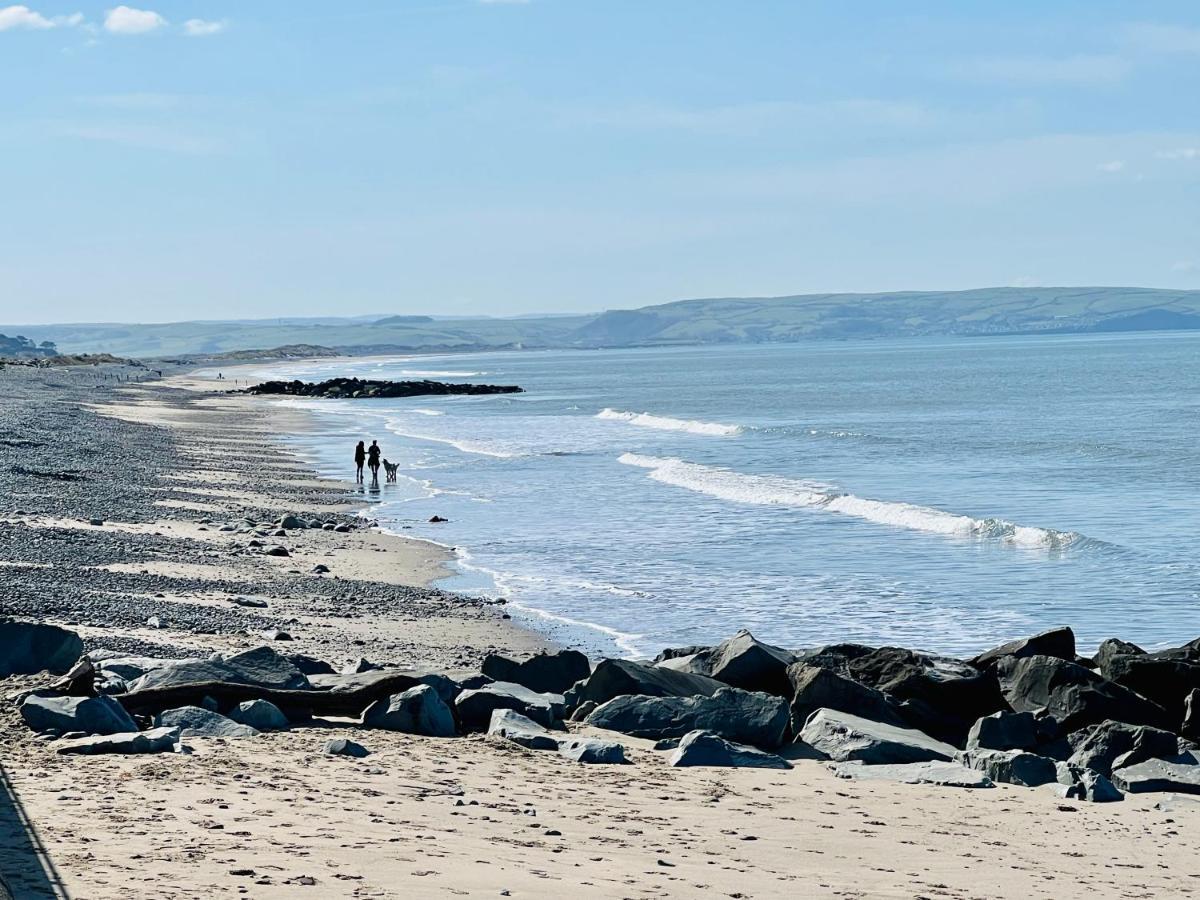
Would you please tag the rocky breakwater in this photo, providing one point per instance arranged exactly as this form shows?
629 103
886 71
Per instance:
360 389
1030 713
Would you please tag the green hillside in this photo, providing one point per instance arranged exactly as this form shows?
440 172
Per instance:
722 320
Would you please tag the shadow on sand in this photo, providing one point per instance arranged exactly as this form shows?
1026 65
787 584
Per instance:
26 872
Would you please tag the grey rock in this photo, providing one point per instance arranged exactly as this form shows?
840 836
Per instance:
309 665
155 740
276 550
583 710
614 677
942 774
816 688
1076 783
544 673
520 730
475 707
194 721
1100 747
703 748
1191 715
745 662
937 695
260 714
592 751
275 634
1075 696
249 602
344 747
693 664
1011 766
1158 775
1165 677
846 738
749 718
261 666
133 667
91 715
155 622
1058 642
361 665
418 710
1004 731
27 648
1114 647
666 744
291 522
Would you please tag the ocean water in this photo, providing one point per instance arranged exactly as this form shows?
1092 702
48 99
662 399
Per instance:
943 494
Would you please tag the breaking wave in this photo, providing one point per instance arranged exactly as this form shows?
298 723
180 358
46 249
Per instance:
775 490
665 423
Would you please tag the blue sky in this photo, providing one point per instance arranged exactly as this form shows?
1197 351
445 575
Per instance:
210 159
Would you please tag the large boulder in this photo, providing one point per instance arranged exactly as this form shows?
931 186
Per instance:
1158 775
261 714
1058 642
1100 747
544 673
816 688
1012 766
262 666
1004 731
419 710
745 662
27 648
1073 695
1166 678
703 748
91 715
614 677
194 721
748 718
475 707
936 694
130 668
155 740
1114 647
847 738
942 774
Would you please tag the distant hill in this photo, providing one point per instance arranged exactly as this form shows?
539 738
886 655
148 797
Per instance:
985 311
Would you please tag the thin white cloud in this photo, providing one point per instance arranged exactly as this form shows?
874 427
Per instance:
504 2
1081 69
203 28
1157 38
12 17
1185 265
1179 153
143 137
127 20
1115 165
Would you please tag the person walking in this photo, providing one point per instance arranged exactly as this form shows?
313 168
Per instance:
373 460
360 457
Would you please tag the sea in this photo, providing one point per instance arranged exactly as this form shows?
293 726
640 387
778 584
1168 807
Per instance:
944 494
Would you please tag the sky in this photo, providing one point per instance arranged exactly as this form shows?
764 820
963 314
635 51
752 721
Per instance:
200 159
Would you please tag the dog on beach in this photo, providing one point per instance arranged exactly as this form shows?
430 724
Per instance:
390 469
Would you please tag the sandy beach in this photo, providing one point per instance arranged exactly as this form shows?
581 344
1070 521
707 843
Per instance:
134 533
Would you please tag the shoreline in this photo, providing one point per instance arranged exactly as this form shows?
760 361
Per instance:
275 816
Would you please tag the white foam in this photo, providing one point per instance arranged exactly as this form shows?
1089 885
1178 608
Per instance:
427 412
774 490
666 423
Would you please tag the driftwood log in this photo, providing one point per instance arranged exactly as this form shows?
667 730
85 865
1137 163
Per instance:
348 699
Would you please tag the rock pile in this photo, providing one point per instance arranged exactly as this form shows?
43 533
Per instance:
1030 712
358 388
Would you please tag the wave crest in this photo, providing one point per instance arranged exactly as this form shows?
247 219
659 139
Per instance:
666 423
775 490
